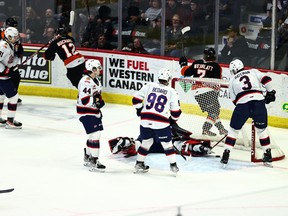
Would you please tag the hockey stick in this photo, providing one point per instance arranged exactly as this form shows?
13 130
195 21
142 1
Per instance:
180 153
88 8
219 142
7 190
71 20
34 54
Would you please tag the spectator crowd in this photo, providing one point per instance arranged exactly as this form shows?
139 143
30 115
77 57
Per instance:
97 27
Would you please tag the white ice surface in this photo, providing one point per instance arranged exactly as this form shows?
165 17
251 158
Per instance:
44 163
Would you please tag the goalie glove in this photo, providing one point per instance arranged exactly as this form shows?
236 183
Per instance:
183 61
270 96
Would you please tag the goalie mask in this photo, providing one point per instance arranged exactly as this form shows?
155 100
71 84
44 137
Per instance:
11 35
235 66
164 76
92 65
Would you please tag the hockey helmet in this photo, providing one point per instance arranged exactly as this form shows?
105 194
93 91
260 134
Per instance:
92 64
235 66
11 35
209 54
11 22
62 31
164 75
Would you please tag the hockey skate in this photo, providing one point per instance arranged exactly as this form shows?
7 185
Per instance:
19 101
225 157
13 124
87 158
208 133
140 167
220 127
2 122
206 129
223 131
267 158
96 166
174 168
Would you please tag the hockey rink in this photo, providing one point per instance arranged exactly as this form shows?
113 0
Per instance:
44 163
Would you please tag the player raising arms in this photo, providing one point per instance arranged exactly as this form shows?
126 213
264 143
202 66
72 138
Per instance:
245 90
8 60
206 97
64 46
89 103
157 104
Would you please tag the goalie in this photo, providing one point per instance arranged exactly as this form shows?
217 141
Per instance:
180 138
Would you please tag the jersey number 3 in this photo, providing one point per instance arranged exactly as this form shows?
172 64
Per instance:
246 81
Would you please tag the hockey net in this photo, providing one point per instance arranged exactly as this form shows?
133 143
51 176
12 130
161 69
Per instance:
193 118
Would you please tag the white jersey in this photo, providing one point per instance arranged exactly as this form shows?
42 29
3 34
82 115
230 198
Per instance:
247 85
159 102
87 90
7 57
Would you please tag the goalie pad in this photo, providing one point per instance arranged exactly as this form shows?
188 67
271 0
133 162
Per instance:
120 143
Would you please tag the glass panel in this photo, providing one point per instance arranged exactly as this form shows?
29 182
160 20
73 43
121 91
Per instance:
189 27
186 29
96 23
140 31
12 8
41 21
249 37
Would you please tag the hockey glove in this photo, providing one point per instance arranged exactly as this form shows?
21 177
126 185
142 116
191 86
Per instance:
183 61
99 104
270 96
5 72
138 111
18 49
172 121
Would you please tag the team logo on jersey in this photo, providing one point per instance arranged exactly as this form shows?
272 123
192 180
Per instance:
285 107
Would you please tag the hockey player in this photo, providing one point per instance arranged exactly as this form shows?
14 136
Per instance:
246 93
64 46
18 50
206 97
8 60
180 138
157 104
89 103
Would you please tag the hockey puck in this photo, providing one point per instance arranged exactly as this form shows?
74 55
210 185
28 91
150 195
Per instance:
217 156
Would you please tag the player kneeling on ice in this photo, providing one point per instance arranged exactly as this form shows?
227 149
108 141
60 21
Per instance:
180 138
156 104
89 103
245 88
8 61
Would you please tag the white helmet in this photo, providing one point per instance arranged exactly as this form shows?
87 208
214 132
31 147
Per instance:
164 74
11 35
235 66
91 64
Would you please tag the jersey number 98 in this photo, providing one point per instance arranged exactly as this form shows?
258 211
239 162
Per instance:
156 101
